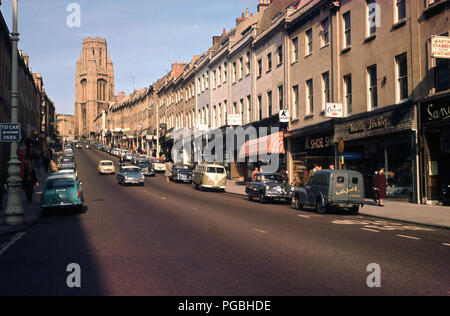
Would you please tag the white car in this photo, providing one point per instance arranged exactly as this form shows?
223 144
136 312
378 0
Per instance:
106 167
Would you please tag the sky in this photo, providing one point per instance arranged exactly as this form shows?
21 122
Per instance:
144 37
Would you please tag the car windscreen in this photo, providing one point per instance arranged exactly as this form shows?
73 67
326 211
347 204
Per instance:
272 177
132 170
60 184
215 170
107 163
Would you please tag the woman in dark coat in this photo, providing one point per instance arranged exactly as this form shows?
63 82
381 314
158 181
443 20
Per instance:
379 185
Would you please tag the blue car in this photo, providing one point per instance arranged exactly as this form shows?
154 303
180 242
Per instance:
130 175
62 191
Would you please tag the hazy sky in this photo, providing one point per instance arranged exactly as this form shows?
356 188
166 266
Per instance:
144 37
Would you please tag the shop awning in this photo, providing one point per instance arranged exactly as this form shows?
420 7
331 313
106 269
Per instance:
271 144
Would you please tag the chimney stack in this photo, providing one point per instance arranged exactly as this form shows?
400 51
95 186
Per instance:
216 39
241 19
264 3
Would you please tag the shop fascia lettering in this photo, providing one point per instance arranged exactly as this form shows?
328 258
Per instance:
441 112
318 142
381 122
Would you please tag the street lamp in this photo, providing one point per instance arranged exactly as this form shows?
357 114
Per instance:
14 210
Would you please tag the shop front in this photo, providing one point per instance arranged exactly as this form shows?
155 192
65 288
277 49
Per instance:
310 146
435 136
384 138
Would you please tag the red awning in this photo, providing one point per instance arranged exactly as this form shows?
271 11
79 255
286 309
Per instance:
271 144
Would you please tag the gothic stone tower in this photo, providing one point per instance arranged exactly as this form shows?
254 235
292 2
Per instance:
94 84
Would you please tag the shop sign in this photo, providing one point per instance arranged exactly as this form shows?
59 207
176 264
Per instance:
316 143
440 47
334 110
285 117
367 125
436 111
234 119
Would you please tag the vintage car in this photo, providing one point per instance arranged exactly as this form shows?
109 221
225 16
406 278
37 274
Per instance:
146 168
269 186
159 165
207 176
130 175
181 173
332 189
106 167
65 166
62 191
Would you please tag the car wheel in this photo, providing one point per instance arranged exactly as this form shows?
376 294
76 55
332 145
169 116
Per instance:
297 204
262 199
249 197
320 208
354 210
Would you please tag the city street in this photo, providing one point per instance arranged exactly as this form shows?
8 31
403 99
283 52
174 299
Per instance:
169 239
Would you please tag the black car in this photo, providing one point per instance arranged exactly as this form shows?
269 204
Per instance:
146 168
181 173
268 187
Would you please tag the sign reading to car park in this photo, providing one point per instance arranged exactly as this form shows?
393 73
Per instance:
10 132
334 110
285 117
440 47
234 119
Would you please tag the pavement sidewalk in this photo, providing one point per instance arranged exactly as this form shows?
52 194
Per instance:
32 212
427 215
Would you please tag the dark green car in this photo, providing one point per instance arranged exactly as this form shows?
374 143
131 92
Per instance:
332 189
267 187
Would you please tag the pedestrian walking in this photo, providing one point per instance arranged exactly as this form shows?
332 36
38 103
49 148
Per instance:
29 181
53 167
255 172
379 186
168 172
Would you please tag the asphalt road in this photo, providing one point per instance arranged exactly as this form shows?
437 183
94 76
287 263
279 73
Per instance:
168 239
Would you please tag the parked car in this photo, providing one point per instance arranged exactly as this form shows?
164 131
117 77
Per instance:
332 189
146 168
106 167
130 175
65 166
128 156
181 173
207 176
78 145
65 172
62 191
268 187
159 165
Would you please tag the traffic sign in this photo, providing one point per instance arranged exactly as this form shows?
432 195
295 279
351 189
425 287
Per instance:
9 132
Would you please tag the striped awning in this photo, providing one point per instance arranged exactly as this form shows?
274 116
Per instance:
270 144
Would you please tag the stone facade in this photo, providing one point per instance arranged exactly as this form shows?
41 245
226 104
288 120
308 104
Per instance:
94 84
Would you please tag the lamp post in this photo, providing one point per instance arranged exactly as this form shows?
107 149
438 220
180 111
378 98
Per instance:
14 211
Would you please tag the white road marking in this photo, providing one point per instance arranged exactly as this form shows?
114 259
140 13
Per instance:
259 231
304 216
163 198
11 242
370 230
444 244
408 237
